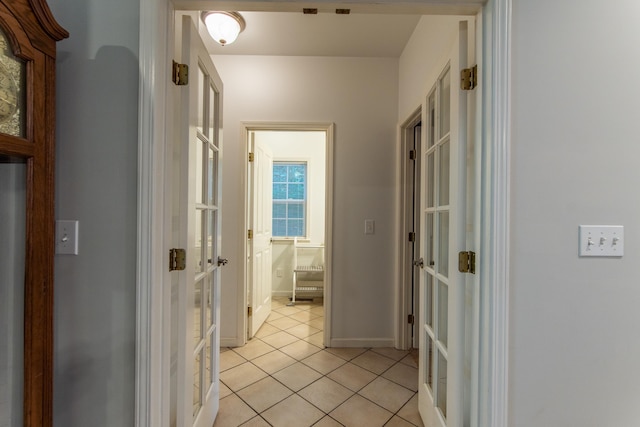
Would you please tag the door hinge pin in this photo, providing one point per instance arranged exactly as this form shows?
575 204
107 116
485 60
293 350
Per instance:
469 78
251 157
412 236
411 319
249 234
412 154
180 74
467 262
177 259
249 311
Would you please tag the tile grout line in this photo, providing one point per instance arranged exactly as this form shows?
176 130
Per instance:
300 360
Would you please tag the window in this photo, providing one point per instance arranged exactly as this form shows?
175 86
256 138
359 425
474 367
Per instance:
289 199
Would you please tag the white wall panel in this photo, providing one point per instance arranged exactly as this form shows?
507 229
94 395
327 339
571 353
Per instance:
574 321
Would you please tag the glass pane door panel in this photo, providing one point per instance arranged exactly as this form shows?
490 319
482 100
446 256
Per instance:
201 92
197 384
428 300
445 105
13 115
431 175
431 130
442 385
212 116
443 243
13 184
200 147
208 319
209 363
443 175
428 243
198 289
197 246
212 184
428 361
443 313
212 250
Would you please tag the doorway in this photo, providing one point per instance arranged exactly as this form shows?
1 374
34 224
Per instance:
298 214
495 185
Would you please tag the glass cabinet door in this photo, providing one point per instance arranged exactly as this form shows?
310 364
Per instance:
12 91
12 278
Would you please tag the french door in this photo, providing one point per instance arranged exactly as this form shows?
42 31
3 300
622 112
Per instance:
444 383
199 211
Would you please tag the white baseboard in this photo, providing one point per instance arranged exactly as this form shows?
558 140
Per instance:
281 293
230 342
362 342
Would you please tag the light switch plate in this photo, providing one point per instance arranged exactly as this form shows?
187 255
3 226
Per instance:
67 237
369 226
601 240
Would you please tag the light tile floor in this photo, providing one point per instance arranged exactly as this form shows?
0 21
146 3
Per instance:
285 378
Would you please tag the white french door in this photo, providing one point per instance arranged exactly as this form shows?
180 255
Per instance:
261 211
444 384
200 231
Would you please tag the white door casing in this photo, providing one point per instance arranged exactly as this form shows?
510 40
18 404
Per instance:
260 262
443 220
200 233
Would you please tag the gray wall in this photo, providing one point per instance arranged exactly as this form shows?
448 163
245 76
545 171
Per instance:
574 322
96 175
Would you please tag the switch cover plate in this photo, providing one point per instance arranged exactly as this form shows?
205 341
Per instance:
369 226
601 240
67 237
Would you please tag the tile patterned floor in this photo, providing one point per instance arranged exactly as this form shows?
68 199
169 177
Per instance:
285 378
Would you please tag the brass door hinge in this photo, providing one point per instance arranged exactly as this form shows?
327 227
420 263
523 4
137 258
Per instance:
180 74
249 234
251 157
411 319
469 78
249 311
412 236
177 259
467 262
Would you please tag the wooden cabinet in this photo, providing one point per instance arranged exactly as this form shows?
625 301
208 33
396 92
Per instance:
28 36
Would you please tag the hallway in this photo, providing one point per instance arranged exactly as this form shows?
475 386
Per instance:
284 378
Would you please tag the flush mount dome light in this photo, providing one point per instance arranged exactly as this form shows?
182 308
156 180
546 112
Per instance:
224 27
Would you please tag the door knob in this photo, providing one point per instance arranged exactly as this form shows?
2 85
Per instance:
222 261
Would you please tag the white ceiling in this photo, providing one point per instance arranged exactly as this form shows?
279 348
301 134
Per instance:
324 34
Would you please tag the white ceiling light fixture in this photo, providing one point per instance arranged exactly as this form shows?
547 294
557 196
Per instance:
224 27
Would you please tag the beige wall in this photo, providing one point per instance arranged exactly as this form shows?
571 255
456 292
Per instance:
359 95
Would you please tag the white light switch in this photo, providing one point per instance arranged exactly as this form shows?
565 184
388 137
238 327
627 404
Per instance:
67 237
369 226
601 240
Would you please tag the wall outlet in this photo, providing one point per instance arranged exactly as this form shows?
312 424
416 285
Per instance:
279 272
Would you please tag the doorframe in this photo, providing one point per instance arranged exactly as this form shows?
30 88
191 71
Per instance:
328 128
154 208
405 260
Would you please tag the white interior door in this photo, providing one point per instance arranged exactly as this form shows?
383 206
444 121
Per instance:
260 262
199 283
442 378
